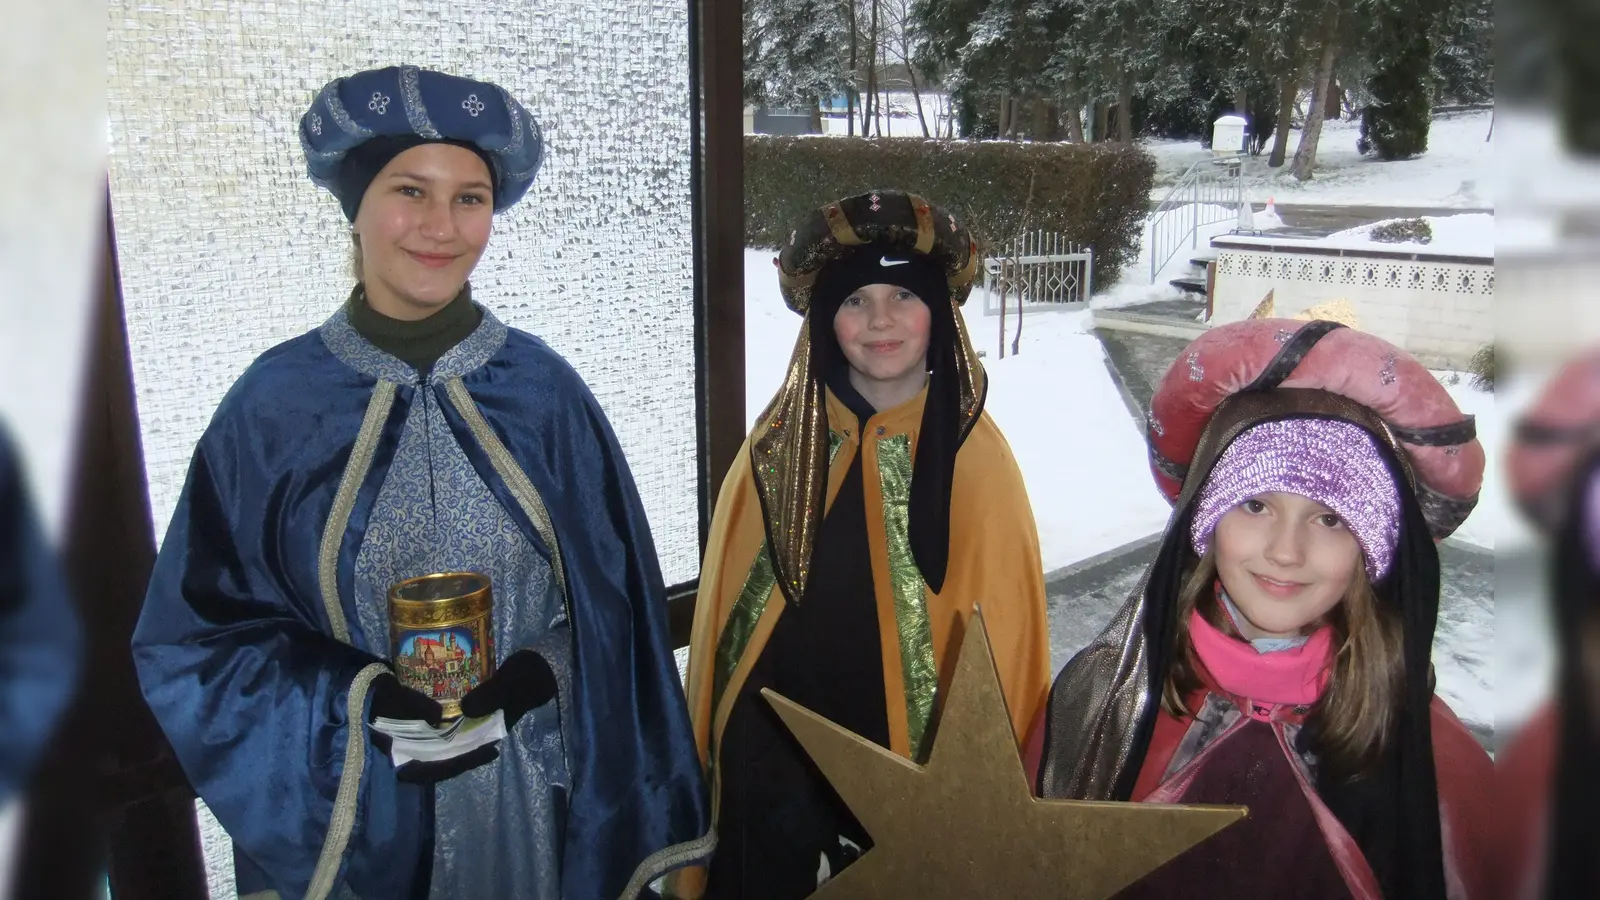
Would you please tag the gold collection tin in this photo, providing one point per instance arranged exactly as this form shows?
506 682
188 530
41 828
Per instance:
439 634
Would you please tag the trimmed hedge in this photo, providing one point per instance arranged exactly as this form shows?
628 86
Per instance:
1095 194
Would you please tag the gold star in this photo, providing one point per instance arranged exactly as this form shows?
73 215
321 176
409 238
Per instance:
967 824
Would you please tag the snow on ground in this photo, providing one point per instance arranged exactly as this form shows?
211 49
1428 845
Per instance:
1082 456
901 116
1468 234
1457 171
1494 513
1135 287
1471 234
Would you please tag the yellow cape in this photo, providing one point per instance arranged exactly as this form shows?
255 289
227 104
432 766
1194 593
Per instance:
994 561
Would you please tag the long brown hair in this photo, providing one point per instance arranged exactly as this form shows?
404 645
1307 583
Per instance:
1354 721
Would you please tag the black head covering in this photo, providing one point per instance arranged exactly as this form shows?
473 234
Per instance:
939 436
1392 812
789 442
1575 599
363 163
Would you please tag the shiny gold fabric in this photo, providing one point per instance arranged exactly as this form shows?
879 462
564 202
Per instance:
788 454
910 606
789 447
894 218
1101 695
749 606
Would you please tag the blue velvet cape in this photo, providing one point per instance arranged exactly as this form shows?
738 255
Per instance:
249 652
41 653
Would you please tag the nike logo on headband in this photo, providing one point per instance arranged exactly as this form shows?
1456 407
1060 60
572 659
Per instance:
887 262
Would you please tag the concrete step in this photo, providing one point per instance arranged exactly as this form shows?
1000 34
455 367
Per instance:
1190 285
1131 320
1201 262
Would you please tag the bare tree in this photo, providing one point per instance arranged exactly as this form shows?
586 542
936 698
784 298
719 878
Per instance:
850 95
1125 109
900 32
1072 111
1305 156
1280 135
870 98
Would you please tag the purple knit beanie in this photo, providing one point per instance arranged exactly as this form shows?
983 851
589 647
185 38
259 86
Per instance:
1335 463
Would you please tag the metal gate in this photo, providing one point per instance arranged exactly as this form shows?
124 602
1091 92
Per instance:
1040 270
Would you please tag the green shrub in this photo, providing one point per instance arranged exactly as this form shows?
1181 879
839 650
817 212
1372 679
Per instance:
1401 231
1482 368
1394 125
1094 194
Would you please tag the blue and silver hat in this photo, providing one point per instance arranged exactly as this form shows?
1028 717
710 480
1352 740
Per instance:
405 101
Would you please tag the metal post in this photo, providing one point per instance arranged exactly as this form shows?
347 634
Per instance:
1247 216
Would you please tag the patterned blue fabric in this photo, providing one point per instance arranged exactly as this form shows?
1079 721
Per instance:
40 656
237 657
435 514
404 100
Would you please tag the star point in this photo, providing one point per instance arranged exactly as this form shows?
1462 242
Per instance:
967 823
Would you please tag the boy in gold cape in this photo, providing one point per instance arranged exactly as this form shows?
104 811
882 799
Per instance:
873 506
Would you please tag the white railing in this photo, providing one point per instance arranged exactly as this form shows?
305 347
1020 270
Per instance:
1039 270
1211 191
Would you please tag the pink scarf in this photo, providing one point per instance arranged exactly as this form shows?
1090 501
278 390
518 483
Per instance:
1291 677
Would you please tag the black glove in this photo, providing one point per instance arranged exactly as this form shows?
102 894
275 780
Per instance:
393 700
523 682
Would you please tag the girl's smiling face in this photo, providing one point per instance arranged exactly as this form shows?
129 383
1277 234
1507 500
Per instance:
423 224
1285 561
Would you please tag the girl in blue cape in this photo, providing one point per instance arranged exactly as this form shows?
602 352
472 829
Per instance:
414 433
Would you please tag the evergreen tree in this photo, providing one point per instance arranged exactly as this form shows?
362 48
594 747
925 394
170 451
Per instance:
1109 50
794 52
1463 56
1394 124
941 29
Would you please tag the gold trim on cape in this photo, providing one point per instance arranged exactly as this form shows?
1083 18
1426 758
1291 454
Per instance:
343 818
344 501
749 606
667 859
505 465
789 447
915 635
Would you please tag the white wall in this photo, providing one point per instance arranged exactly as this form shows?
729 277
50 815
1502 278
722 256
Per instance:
1440 312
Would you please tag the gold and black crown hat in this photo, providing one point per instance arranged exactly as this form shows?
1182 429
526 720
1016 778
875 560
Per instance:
889 219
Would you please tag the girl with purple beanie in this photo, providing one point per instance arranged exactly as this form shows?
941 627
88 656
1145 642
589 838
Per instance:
1276 655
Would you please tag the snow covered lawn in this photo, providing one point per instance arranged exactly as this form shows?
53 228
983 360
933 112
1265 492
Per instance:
1470 234
1457 171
